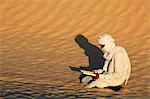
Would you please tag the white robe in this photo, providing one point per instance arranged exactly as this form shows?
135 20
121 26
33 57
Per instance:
117 67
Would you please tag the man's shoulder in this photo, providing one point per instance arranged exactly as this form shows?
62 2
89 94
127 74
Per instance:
120 50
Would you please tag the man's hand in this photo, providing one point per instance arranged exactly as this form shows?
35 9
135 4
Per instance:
93 71
81 71
99 71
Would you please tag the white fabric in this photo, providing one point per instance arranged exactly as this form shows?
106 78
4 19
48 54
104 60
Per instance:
105 39
119 70
108 57
86 80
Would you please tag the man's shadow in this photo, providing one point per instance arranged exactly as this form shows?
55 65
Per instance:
95 55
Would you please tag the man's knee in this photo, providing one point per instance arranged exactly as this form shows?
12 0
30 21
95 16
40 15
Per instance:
86 80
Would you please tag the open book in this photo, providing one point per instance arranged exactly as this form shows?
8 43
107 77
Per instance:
88 73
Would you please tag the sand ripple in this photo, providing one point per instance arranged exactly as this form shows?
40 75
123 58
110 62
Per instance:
37 45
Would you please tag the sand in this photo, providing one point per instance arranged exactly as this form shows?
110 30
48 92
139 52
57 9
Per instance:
37 45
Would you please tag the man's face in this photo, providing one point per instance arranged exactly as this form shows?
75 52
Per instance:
101 44
103 47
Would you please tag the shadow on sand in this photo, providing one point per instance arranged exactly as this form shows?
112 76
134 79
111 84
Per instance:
94 54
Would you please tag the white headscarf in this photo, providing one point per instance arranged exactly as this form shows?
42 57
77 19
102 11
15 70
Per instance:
108 41
105 39
108 49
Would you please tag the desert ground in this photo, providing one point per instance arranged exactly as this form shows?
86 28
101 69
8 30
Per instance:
37 45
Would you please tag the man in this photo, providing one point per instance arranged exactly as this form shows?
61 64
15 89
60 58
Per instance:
117 67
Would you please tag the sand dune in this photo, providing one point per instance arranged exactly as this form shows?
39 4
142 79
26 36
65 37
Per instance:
37 45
